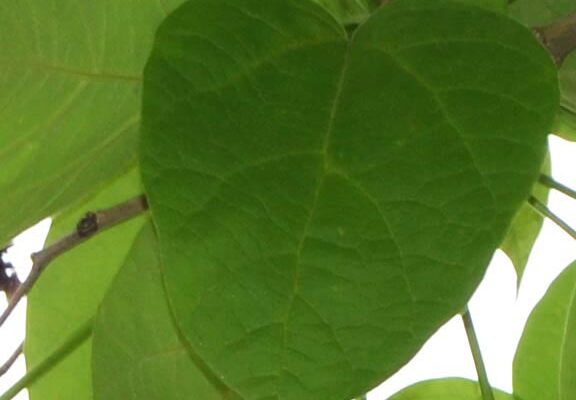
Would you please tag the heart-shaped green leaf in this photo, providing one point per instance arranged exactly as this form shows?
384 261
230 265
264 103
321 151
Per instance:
544 365
324 204
447 389
137 353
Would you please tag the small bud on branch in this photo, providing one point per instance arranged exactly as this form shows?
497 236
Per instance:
91 224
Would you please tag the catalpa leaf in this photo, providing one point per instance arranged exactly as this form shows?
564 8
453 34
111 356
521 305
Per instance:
447 389
137 353
70 89
544 365
324 204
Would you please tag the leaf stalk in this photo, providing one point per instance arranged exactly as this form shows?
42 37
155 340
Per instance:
550 182
69 345
485 387
546 212
8 363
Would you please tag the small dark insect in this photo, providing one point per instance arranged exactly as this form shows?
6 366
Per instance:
9 281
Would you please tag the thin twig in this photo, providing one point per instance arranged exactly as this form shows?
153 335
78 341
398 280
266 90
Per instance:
90 225
69 345
8 364
485 387
559 37
545 211
553 184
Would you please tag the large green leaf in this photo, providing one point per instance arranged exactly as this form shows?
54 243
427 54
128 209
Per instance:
70 290
446 389
137 353
545 365
70 88
323 205
535 13
525 228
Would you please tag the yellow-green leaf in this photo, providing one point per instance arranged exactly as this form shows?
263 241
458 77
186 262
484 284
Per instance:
545 365
70 290
525 228
447 389
70 89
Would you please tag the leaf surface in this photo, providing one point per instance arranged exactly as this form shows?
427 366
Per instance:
493 5
447 389
349 11
137 353
70 89
70 290
323 206
544 365
535 13
525 228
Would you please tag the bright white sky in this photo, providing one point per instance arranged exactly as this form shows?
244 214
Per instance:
499 315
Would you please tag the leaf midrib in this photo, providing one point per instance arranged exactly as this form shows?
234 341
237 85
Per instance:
84 74
322 171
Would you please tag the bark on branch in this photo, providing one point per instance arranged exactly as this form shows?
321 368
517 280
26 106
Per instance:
559 37
11 360
91 224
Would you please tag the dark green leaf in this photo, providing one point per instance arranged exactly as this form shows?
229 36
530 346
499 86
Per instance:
544 365
70 88
494 5
137 353
525 228
324 206
348 11
535 13
70 291
447 389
